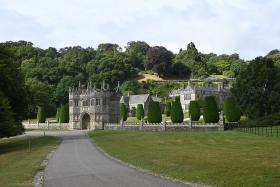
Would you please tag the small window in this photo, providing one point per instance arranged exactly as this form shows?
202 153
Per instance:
76 103
97 102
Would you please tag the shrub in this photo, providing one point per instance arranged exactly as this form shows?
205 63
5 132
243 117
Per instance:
154 113
194 111
64 114
140 112
231 110
167 109
41 115
177 115
57 114
210 110
123 112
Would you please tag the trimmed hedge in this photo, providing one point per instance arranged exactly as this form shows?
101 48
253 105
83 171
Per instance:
41 115
57 114
194 111
123 112
177 115
64 114
167 109
140 112
154 113
210 110
232 110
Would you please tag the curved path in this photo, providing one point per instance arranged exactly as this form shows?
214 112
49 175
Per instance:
78 163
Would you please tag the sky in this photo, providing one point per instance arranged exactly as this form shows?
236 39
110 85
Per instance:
248 27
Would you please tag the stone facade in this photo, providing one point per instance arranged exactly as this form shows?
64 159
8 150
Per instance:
192 92
90 107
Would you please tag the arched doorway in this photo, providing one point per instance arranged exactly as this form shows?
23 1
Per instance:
85 121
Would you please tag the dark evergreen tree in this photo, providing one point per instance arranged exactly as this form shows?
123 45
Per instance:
167 109
154 113
64 113
231 110
57 114
41 115
177 115
194 111
210 110
140 112
123 112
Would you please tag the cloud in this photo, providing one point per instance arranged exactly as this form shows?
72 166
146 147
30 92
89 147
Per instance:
246 27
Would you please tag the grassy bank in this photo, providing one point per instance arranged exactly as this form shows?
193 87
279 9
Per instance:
215 158
17 165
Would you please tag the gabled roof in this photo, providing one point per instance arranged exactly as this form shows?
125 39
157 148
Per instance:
134 99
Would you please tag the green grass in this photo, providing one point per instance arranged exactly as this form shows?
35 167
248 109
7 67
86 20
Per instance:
213 158
17 165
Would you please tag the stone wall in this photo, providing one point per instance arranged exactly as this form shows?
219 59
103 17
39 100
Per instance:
163 126
65 126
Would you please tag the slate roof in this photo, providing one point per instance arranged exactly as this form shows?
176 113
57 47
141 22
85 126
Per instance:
134 99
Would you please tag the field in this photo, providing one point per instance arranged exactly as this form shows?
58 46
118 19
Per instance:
18 165
213 158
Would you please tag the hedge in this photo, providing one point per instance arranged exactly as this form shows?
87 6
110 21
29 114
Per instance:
177 115
210 110
154 113
194 110
167 109
123 112
64 114
232 110
140 112
41 115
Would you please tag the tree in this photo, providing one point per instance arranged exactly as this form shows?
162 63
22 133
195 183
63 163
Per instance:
177 115
159 59
140 112
154 113
64 113
210 110
231 109
167 109
194 111
181 70
123 112
130 86
137 51
41 115
257 88
57 114
108 47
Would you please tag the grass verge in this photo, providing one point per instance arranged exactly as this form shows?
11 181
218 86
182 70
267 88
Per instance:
18 165
213 158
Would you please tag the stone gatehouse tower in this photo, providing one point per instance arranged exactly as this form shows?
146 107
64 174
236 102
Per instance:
90 107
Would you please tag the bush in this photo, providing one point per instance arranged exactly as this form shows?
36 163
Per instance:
41 115
177 115
64 114
57 114
140 112
154 113
167 109
194 111
123 112
231 110
210 110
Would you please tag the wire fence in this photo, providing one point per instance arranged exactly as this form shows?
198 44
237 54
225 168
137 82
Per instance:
261 131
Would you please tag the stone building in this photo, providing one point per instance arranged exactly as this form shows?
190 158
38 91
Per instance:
192 92
90 107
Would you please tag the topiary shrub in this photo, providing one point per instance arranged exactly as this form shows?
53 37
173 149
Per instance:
140 112
194 110
210 110
177 115
64 114
154 113
232 110
57 116
41 115
123 112
167 109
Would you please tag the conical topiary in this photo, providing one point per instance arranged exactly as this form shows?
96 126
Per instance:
41 115
154 112
194 110
231 109
210 110
140 112
123 112
177 115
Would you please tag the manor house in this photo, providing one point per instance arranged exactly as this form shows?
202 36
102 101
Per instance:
90 107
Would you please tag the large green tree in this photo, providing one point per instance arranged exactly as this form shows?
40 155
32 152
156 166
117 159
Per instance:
137 51
257 88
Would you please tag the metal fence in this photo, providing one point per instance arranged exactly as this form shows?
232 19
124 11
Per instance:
261 131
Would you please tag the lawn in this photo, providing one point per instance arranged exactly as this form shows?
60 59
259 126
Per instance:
213 158
18 166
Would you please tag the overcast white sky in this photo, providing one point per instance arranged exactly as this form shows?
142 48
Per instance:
248 27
